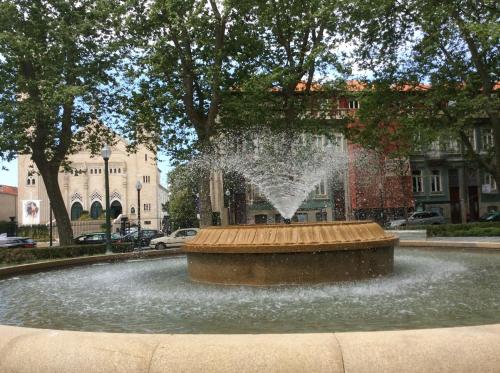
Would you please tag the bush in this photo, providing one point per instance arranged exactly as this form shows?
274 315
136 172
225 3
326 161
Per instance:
463 230
17 256
37 232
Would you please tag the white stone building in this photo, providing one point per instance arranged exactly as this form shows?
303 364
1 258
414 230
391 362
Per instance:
84 192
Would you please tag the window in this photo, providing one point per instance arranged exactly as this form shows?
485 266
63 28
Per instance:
300 217
146 179
321 189
354 104
95 210
147 207
490 182
30 180
145 157
100 171
436 181
278 218
487 139
181 234
418 185
119 170
320 141
321 216
76 211
91 171
261 219
132 210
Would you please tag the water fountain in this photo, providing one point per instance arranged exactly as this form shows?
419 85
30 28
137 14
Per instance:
427 289
285 253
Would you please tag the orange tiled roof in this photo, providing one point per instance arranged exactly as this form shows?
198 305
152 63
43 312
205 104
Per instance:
6 189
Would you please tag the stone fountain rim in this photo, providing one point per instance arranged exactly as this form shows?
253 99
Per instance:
345 235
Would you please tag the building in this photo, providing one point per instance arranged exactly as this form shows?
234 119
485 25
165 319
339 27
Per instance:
445 181
83 189
356 194
8 202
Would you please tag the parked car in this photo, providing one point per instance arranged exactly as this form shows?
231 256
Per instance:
146 236
94 238
177 238
491 216
419 218
17 242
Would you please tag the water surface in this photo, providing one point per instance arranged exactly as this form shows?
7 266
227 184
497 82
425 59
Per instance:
428 289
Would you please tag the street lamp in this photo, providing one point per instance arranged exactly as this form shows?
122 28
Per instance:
138 186
106 153
228 194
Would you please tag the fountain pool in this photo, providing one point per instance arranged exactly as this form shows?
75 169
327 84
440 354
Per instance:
427 289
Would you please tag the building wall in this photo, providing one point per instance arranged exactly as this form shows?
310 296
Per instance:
86 185
8 202
466 192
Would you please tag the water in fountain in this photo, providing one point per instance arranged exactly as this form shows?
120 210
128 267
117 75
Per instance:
284 167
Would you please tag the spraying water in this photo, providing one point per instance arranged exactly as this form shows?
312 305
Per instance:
284 167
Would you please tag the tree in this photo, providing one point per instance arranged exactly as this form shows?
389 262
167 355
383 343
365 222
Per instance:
188 49
299 49
182 206
451 45
56 58
199 55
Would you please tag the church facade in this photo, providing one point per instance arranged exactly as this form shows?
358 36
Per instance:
83 189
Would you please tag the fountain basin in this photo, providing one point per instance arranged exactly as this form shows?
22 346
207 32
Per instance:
261 255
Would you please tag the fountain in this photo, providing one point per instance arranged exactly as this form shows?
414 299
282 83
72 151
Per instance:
290 254
328 327
285 253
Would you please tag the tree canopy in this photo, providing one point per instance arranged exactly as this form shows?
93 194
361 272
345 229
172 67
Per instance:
452 47
56 60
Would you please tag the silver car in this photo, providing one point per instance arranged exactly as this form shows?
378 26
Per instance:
176 239
419 218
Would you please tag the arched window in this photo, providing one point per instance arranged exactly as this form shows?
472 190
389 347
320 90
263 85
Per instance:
132 210
30 180
95 210
115 209
76 211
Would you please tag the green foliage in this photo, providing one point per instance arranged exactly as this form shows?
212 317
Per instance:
17 256
452 46
463 230
57 61
182 205
36 232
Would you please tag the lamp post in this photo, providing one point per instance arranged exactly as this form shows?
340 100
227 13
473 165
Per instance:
228 194
106 153
138 186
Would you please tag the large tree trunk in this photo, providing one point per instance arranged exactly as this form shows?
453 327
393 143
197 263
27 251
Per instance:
50 174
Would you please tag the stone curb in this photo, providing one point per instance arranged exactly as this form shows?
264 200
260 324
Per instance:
83 260
463 349
449 244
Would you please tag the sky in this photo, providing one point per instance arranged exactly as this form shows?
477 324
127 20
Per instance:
9 177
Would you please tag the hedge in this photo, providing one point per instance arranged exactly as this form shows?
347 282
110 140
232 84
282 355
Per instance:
20 255
462 230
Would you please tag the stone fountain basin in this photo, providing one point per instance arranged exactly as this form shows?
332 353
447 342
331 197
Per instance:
263 255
